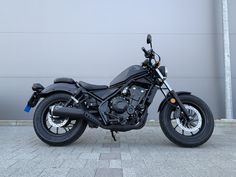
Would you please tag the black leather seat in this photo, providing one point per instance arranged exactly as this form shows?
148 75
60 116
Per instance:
88 86
64 80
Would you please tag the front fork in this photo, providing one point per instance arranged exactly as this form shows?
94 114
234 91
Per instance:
179 102
173 95
174 99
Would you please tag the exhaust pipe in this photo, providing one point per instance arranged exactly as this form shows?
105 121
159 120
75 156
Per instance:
78 113
75 113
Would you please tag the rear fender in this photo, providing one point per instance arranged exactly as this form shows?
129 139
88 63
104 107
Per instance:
165 101
40 91
59 87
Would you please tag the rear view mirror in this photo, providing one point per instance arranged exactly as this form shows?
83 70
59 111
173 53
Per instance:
149 39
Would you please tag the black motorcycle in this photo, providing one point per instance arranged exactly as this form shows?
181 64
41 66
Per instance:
69 106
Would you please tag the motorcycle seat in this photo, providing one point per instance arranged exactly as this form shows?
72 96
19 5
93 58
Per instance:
64 80
88 86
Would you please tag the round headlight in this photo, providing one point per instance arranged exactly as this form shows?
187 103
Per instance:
163 71
166 71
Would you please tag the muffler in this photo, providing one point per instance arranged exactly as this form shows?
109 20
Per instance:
74 113
78 113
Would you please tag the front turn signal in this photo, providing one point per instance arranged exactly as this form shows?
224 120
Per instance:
173 100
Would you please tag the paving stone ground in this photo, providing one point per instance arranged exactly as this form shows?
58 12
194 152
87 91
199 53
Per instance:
143 153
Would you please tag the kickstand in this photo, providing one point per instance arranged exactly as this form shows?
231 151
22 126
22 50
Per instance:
113 135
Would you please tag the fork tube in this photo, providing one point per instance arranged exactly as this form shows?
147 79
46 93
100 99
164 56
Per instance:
173 94
182 107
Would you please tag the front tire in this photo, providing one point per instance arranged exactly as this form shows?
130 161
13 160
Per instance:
52 131
187 134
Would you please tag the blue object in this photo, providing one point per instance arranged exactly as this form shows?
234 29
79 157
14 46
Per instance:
27 108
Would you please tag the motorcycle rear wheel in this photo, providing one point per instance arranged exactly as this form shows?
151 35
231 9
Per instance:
185 133
53 131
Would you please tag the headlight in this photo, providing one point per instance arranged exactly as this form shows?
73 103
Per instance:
163 71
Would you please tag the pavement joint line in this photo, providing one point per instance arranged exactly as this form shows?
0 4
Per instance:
149 123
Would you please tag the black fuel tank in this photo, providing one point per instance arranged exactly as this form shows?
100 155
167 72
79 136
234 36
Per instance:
127 73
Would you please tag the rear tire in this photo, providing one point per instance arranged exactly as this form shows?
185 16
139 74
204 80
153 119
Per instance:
45 133
192 140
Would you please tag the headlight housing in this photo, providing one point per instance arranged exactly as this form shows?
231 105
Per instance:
163 71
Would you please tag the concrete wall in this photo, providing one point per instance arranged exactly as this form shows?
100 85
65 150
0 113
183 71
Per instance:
95 40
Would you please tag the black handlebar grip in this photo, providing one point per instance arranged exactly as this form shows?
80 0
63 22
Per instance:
144 50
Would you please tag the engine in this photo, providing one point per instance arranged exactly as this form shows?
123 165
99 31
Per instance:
126 107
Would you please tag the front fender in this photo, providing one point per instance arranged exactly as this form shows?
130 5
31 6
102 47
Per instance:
59 87
168 97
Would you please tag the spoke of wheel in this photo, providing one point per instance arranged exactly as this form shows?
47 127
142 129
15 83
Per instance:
182 132
194 120
193 125
50 127
185 124
69 127
57 130
65 129
194 114
176 126
71 123
191 133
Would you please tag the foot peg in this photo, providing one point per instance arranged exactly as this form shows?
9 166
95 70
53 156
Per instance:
113 134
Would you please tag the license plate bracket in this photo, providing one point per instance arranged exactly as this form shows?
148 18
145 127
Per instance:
32 102
27 108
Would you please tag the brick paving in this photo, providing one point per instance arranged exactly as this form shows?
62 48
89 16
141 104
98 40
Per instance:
143 153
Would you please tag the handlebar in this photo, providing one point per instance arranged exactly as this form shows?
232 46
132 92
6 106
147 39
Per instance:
150 55
145 51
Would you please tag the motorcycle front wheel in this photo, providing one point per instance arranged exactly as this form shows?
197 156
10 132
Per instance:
187 133
54 131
